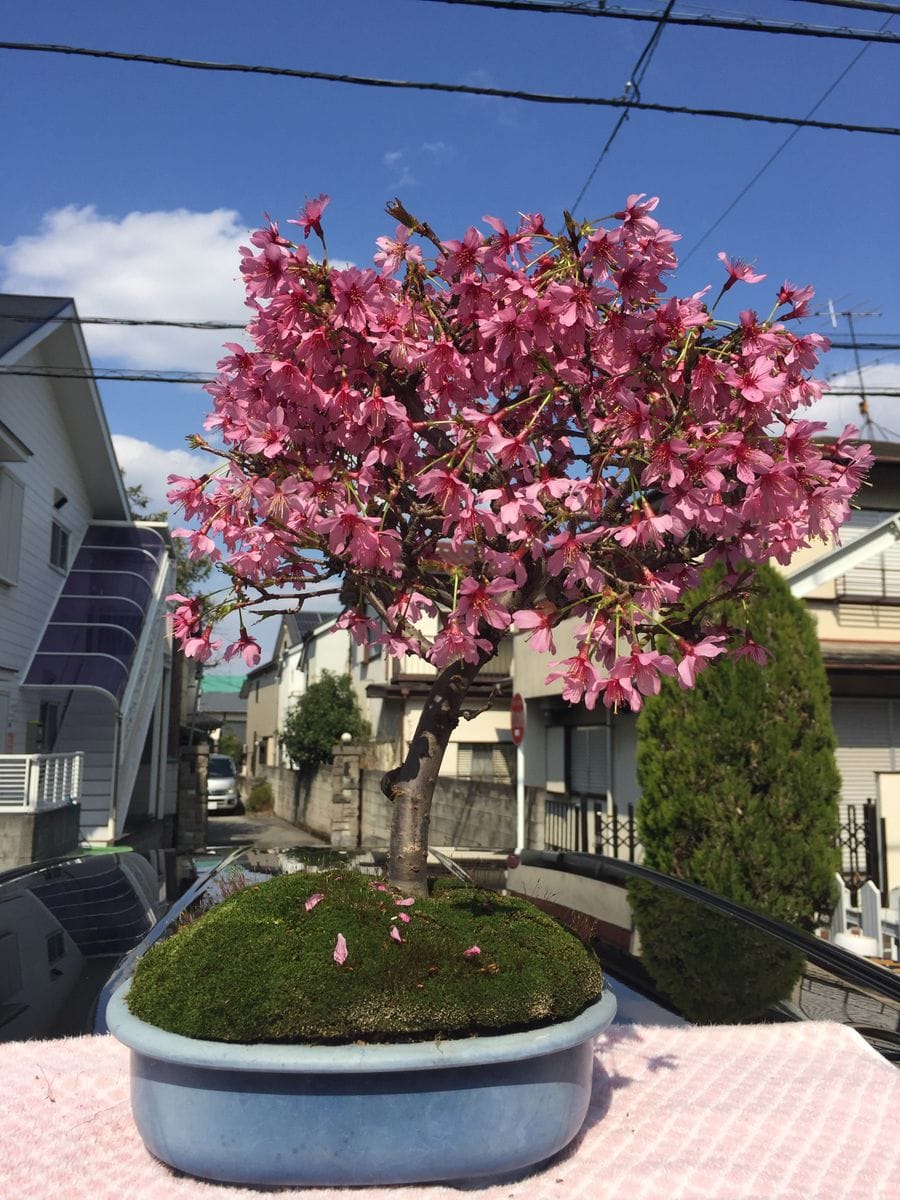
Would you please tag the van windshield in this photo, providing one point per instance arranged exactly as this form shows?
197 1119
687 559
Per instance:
220 766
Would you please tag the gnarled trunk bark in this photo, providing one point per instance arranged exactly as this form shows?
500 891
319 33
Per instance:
410 787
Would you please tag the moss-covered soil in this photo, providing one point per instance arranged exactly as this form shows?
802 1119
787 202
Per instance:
263 966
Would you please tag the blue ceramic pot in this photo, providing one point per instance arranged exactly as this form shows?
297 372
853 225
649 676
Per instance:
479 1108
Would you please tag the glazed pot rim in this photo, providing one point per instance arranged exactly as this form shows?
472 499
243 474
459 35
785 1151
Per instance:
344 1059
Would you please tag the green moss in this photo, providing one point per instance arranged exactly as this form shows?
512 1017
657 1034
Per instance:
260 967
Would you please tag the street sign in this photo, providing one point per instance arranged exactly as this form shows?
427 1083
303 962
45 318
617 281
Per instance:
517 719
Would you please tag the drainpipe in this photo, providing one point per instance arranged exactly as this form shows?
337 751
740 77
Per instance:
117 752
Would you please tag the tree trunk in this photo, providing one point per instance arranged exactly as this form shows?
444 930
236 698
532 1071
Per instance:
410 787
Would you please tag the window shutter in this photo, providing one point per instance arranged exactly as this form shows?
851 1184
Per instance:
588 760
12 497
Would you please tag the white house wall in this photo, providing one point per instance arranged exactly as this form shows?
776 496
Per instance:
31 412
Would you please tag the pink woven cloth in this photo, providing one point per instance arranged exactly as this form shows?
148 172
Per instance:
803 1111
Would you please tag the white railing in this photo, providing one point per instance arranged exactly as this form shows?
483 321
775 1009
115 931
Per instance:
32 782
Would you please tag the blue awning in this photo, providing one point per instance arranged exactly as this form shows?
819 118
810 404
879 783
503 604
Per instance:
93 631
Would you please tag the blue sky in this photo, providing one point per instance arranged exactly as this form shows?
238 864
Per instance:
129 186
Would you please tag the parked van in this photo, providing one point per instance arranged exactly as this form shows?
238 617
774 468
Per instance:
221 785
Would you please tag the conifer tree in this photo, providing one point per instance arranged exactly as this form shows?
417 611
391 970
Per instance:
738 775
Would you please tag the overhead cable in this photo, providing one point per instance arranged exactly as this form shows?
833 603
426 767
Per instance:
632 92
862 5
452 88
772 157
706 21
198 379
836 344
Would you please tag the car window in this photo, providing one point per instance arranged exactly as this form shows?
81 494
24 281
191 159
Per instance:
220 766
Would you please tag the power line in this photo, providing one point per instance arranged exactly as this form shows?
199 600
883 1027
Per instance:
198 379
772 157
31 319
121 376
452 88
633 85
864 5
234 327
706 21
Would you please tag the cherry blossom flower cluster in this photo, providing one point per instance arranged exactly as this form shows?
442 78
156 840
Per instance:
501 432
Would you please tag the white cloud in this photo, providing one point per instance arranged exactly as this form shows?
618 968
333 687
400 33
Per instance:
149 466
176 265
439 151
884 411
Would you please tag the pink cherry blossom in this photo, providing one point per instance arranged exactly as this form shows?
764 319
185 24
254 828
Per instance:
395 934
503 431
247 647
313 900
340 950
201 646
311 215
472 952
738 271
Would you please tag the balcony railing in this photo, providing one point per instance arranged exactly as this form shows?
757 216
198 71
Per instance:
34 782
410 666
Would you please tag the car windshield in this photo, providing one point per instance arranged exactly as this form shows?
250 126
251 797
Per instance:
220 766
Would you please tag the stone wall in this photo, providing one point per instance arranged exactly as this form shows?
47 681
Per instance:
191 817
343 803
301 797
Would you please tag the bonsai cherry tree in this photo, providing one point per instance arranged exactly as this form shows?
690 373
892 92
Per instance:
497 434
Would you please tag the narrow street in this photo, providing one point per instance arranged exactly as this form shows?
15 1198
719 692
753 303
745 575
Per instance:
265 831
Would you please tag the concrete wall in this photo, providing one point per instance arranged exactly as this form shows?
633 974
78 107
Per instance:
344 803
302 798
465 812
31 837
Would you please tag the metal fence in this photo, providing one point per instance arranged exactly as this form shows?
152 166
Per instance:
860 845
582 824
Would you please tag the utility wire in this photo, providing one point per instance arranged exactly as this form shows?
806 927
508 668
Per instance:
772 157
228 326
453 88
33 320
632 89
706 21
195 377
864 5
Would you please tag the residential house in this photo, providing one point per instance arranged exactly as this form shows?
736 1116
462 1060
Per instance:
84 661
222 708
853 592
394 691
306 644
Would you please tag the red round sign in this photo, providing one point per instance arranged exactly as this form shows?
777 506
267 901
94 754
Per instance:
517 719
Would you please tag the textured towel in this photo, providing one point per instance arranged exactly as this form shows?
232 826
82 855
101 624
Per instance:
773 1112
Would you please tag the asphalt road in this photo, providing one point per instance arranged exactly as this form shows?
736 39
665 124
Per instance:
265 831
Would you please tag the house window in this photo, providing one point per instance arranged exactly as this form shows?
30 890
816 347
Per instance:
12 495
59 546
589 760
486 760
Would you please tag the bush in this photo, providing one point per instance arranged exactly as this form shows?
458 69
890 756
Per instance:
327 709
259 798
738 776
231 745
